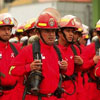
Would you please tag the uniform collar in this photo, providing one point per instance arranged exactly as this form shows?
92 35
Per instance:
64 47
45 45
3 44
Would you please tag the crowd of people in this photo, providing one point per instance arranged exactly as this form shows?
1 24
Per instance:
49 58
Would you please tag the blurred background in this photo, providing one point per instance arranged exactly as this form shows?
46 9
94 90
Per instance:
22 10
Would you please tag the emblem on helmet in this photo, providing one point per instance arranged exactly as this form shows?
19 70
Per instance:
6 20
51 22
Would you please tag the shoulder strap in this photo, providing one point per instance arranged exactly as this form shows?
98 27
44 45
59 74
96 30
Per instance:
36 50
74 50
79 48
58 52
14 49
60 59
97 44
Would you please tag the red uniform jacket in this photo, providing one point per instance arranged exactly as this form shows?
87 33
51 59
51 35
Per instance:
69 57
97 69
87 56
50 67
6 57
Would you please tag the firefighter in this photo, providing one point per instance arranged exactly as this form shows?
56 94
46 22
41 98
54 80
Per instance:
85 35
82 36
25 63
90 58
66 32
19 32
97 67
78 34
29 27
28 30
97 31
8 51
84 39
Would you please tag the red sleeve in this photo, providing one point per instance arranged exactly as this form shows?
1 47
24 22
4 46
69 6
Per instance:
18 47
63 57
97 69
62 53
87 56
21 63
77 50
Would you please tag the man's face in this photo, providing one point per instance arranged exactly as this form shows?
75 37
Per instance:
5 33
83 41
76 36
32 32
48 35
98 34
69 34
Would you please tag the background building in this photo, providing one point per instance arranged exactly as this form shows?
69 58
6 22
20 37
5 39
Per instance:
23 10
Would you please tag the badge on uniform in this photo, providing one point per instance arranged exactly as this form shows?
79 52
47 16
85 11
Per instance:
71 57
12 55
11 68
43 57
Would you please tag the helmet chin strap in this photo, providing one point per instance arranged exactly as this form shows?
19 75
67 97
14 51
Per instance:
65 37
78 41
42 37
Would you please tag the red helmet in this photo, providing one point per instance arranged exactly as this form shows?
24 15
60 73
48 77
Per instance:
85 36
20 29
78 24
85 29
6 20
46 21
67 21
98 26
30 24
